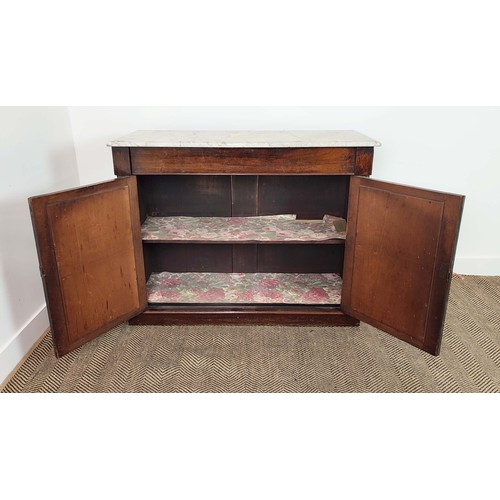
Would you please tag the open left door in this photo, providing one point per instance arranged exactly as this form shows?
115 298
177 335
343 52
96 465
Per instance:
399 254
90 252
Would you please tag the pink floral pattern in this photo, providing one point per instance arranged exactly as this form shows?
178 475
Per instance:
244 288
247 229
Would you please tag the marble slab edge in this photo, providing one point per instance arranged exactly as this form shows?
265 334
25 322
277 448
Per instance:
244 139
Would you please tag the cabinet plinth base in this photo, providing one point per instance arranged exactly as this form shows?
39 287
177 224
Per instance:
249 317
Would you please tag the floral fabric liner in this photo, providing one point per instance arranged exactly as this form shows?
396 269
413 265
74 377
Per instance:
244 288
258 228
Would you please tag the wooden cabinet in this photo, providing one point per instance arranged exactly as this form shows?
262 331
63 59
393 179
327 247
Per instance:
246 227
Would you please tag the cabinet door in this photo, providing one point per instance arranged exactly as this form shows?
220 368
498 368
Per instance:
90 251
399 254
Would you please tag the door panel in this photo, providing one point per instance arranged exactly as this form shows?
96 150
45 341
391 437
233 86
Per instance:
399 252
91 259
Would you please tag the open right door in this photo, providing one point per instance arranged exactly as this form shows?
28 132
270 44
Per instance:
399 254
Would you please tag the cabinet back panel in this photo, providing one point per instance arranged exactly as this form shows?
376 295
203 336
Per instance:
308 197
300 258
188 258
243 258
195 196
245 195
225 196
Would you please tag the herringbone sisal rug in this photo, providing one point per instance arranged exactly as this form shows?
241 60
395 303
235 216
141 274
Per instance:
281 359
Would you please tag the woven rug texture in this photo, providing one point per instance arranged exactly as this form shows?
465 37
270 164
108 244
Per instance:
281 359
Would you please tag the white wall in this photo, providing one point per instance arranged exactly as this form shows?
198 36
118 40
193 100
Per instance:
36 156
444 148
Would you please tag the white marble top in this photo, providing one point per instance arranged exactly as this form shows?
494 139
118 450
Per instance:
244 139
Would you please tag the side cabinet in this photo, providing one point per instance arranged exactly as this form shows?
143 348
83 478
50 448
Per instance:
239 228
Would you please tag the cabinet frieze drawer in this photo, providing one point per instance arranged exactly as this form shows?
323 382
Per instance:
300 161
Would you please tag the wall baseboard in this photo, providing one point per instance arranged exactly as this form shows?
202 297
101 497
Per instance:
18 349
479 266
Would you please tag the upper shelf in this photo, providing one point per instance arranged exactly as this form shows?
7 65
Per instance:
270 229
244 139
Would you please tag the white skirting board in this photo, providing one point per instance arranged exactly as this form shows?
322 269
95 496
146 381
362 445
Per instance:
20 345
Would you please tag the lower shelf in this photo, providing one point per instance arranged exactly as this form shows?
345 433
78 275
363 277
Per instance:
244 288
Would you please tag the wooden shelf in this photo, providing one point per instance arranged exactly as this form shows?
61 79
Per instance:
244 288
263 229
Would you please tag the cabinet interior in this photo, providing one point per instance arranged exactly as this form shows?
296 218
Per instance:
307 197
